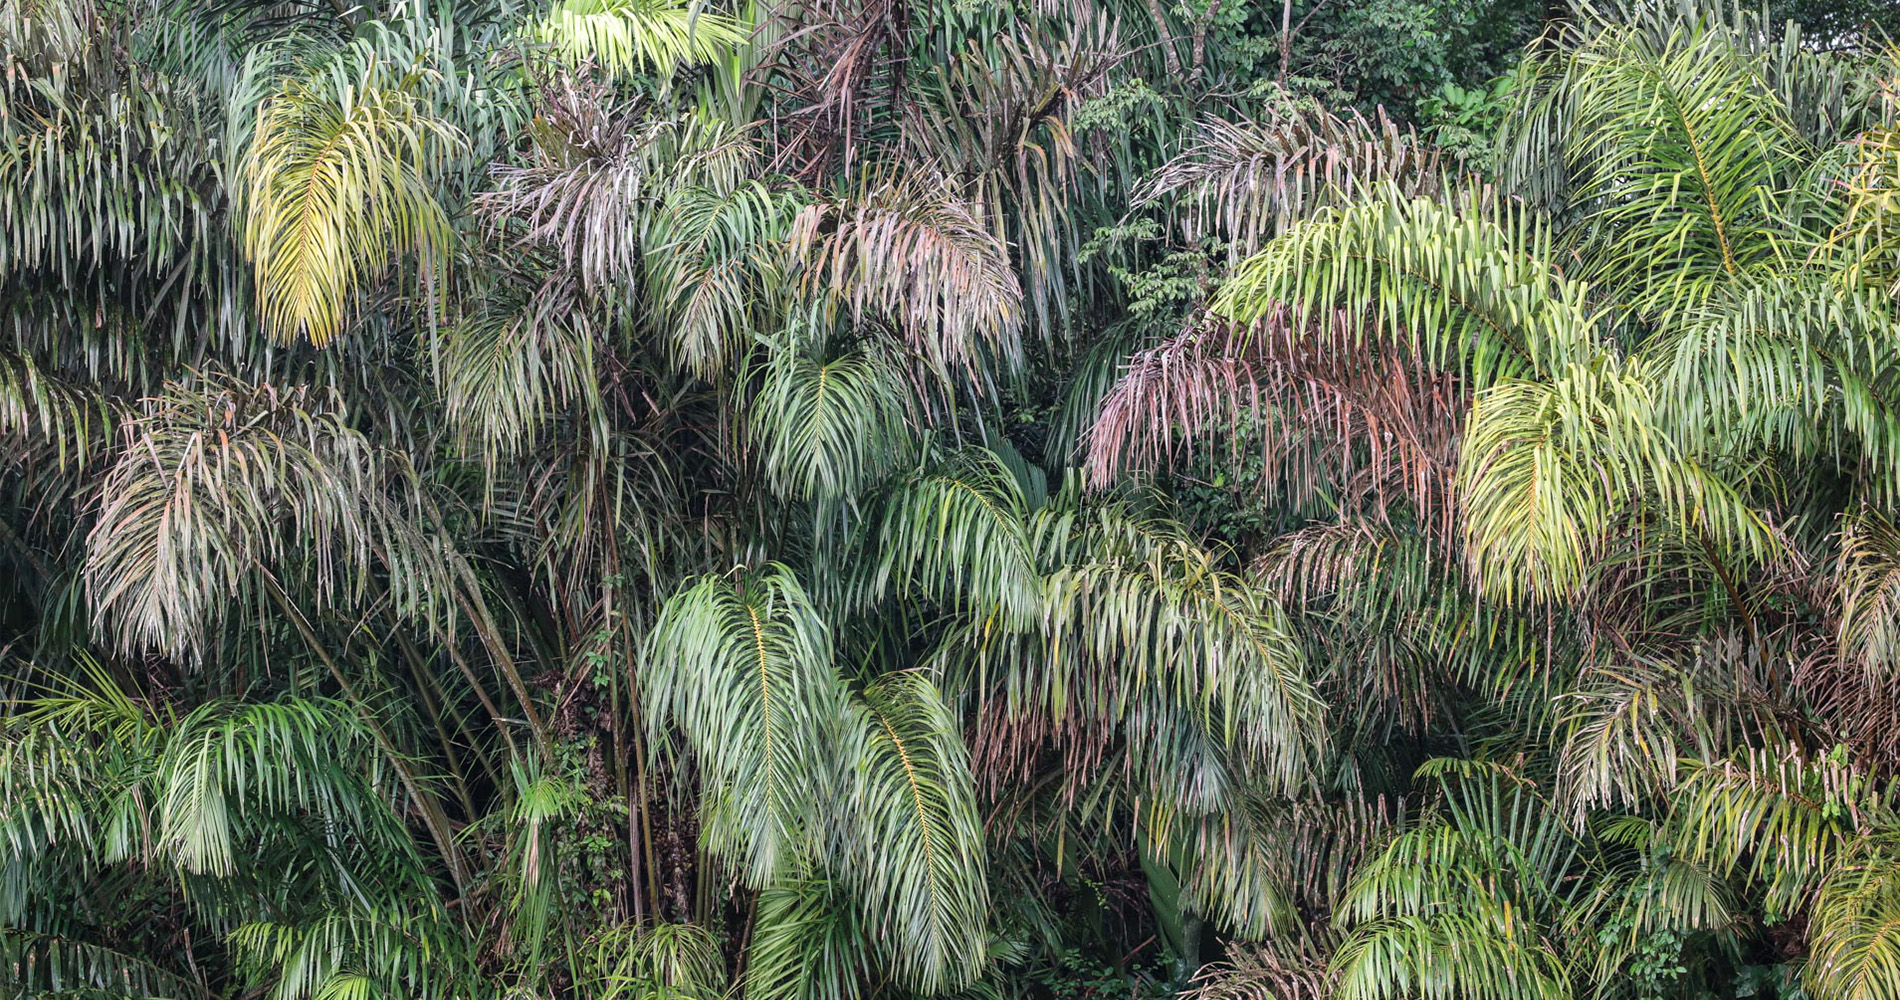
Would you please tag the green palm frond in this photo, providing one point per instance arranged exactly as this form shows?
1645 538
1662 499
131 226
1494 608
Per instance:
1782 818
1450 956
225 766
915 853
1792 362
743 667
37 964
1689 151
634 36
1133 604
712 270
810 945
1471 286
953 530
69 422
1458 906
336 184
666 961
357 953
830 428
506 372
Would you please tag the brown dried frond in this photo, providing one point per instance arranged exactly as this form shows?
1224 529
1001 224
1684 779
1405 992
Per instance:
1366 427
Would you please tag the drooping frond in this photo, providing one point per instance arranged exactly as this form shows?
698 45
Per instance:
1136 605
1457 907
39 964
1869 592
356 953
953 531
225 768
810 945
625 37
1248 180
1470 287
998 116
1688 151
914 852
1332 422
830 429
1278 969
216 481
599 174
908 251
665 960
1547 469
509 367
1856 931
336 184
1779 816
743 667
1789 361
712 269
1450 956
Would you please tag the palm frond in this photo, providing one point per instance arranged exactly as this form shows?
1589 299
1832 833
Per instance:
336 184
1246 181
743 667
907 251
625 37
830 428
915 854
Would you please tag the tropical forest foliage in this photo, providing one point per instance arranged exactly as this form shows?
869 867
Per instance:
1068 499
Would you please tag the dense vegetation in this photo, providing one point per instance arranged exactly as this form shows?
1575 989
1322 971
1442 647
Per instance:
805 499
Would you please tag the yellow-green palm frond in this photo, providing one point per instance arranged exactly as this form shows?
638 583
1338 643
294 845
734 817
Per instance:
1783 818
1548 469
1469 286
634 36
1692 152
336 183
1855 930
1870 232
